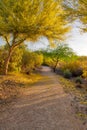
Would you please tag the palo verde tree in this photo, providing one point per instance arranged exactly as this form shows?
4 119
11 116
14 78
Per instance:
61 52
28 20
77 9
82 12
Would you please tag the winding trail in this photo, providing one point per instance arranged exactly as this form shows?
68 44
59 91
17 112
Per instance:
44 106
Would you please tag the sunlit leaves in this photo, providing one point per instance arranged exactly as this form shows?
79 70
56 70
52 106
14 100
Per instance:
30 20
82 12
61 52
31 60
33 18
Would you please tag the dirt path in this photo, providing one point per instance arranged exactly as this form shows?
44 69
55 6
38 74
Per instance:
44 106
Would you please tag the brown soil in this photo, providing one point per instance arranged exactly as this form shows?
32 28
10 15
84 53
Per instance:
44 106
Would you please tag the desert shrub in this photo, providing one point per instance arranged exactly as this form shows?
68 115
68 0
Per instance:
78 85
74 67
84 66
67 74
48 61
22 59
78 80
3 54
38 59
27 62
59 71
16 60
84 73
30 61
77 72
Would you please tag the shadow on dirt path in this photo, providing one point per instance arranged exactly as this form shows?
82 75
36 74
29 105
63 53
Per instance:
44 106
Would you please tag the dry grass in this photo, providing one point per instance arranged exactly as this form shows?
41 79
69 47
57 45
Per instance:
11 85
70 86
79 101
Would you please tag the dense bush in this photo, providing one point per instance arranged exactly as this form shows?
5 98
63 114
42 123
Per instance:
30 61
38 59
3 54
59 71
84 66
60 52
78 80
67 74
22 59
16 60
74 67
85 74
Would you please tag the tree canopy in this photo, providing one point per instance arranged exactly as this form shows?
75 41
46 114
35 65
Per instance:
61 52
83 12
29 20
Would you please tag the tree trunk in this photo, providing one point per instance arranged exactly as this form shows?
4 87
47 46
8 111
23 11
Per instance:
54 69
7 61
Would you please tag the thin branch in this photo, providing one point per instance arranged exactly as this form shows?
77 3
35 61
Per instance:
54 59
14 37
19 42
7 41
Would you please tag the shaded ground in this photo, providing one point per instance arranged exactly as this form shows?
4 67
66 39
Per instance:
44 106
11 85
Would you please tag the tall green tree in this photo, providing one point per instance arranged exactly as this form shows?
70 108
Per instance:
61 52
29 20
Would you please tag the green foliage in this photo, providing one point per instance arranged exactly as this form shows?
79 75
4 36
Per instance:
38 59
78 80
78 67
74 67
27 61
30 61
82 12
3 55
29 19
77 9
83 60
85 73
22 59
61 52
67 74
16 60
47 60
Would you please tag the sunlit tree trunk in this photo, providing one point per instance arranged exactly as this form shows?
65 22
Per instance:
6 64
10 50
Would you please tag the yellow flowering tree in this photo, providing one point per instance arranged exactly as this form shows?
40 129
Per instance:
82 12
29 20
